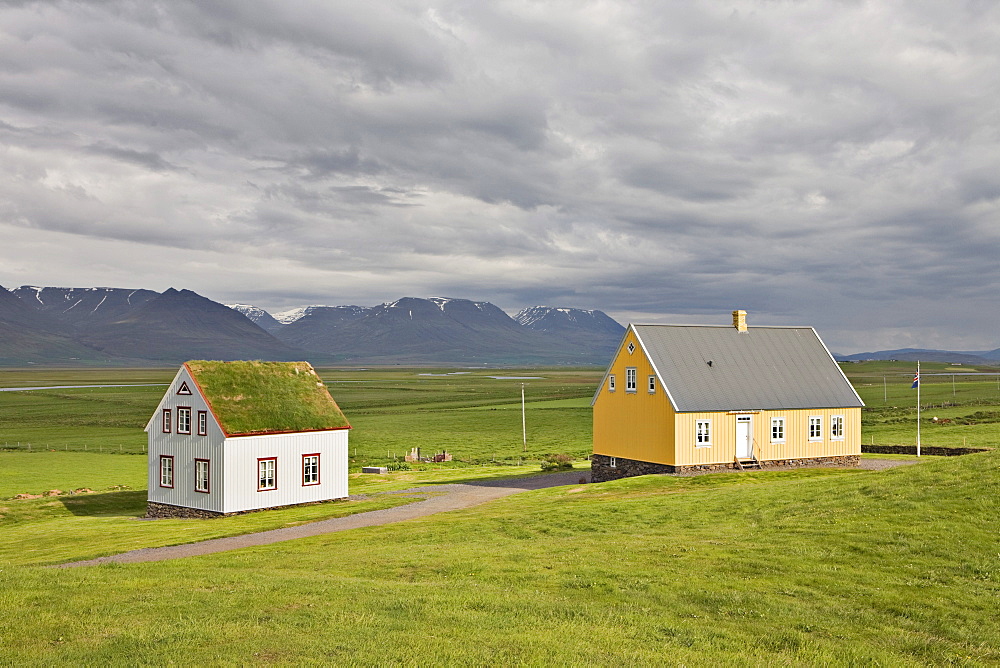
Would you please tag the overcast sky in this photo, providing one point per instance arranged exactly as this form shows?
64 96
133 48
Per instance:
833 164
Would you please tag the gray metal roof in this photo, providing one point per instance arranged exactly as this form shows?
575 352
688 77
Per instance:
760 369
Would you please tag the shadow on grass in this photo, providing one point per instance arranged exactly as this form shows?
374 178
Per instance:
112 504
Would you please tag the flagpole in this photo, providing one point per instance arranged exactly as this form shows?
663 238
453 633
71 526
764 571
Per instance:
918 408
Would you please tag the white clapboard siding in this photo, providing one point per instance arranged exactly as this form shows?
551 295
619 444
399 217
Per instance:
241 469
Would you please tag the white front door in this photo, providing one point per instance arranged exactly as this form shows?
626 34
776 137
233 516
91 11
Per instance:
743 431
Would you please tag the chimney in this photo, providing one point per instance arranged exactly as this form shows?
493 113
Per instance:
740 321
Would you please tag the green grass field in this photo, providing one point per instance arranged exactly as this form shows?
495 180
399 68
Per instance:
820 566
390 410
804 568
971 402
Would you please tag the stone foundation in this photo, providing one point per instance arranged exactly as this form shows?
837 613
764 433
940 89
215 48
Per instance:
166 511
601 469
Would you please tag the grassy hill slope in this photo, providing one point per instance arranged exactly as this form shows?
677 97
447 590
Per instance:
804 567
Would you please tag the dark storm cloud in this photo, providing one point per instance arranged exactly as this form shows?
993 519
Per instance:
833 165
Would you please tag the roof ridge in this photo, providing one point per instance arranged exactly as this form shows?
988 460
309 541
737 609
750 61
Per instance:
726 326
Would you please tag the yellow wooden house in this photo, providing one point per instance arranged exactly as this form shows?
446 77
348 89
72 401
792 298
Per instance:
685 397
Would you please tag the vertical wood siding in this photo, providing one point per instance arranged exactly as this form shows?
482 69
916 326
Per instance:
796 446
635 425
185 448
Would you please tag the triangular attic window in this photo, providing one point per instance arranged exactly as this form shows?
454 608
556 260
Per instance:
184 389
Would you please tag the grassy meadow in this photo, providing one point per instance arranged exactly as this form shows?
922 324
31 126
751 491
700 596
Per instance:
808 567
817 566
471 414
970 402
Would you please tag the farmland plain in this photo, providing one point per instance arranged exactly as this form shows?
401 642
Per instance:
825 566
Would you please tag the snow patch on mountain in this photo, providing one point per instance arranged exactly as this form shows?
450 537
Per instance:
255 313
291 315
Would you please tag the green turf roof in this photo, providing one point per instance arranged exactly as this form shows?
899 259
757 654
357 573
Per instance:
266 397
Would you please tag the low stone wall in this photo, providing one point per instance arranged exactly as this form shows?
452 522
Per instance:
166 511
601 469
924 450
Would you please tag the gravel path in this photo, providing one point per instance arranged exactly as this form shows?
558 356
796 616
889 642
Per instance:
439 499
882 464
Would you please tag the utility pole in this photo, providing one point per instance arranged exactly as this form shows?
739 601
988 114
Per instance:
917 382
524 424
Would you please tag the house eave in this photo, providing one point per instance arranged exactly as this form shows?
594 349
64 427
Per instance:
279 433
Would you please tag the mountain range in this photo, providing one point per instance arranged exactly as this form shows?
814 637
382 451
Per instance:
115 326
91 326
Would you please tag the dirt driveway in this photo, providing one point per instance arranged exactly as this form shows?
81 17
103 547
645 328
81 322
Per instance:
440 499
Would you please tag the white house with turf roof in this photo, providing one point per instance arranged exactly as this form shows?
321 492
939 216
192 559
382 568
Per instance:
233 437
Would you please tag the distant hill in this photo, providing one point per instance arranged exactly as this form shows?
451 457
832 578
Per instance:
80 309
447 331
316 327
29 337
924 355
439 330
585 328
179 325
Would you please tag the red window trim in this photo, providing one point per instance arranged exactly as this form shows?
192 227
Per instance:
266 459
310 484
173 471
208 476
203 423
179 409
165 421
184 389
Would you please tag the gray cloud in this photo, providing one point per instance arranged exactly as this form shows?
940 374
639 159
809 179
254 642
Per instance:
832 165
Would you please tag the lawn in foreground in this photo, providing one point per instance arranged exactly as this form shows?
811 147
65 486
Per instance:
807 567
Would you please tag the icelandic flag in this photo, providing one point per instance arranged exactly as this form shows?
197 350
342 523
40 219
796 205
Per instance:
916 381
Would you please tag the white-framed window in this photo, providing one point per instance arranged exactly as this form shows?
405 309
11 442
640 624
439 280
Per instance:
631 347
613 462
167 414
611 382
201 479
652 384
203 423
837 427
167 471
630 379
703 433
183 420
777 430
184 389
310 469
267 474
815 428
